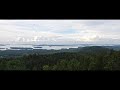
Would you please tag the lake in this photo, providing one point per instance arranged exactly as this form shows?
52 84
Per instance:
47 47
31 47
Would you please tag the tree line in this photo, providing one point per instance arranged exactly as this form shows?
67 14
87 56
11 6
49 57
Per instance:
88 58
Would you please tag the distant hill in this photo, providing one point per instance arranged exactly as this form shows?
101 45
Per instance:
115 47
88 49
95 50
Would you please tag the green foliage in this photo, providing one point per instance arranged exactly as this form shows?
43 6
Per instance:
46 67
15 65
90 58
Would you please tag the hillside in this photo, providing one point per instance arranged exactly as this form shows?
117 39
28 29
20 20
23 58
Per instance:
87 49
87 58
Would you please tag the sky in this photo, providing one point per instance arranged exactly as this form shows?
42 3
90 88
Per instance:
60 31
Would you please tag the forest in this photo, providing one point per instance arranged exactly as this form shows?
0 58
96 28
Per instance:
87 58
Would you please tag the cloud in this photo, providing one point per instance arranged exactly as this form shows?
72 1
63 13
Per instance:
60 31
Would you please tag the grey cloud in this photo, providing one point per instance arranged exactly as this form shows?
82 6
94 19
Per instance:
94 23
106 31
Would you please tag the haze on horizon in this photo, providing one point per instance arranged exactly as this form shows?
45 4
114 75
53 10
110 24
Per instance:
60 31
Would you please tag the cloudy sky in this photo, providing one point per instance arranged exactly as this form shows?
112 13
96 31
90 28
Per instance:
60 31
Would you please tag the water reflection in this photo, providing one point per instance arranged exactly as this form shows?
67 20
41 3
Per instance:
31 47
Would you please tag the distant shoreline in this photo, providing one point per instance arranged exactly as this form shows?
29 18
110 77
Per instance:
47 47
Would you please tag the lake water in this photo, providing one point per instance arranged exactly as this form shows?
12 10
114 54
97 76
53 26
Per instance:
18 47
48 47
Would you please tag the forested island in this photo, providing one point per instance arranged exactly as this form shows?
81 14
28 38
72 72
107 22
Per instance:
86 58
